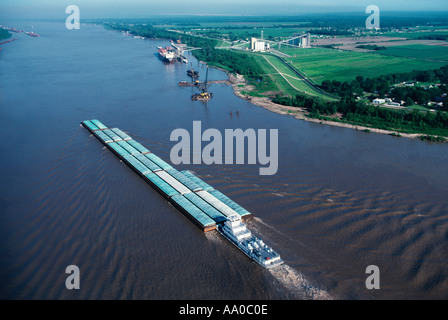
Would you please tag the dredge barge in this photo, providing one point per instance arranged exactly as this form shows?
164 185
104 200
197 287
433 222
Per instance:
207 207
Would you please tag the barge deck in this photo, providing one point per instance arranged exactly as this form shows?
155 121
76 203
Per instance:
197 200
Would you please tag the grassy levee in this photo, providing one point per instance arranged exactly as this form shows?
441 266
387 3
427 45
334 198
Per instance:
281 69
310 83
271 79
285 78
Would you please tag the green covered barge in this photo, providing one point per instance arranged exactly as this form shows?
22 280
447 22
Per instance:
200 202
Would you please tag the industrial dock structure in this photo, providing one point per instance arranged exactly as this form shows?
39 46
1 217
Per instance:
172 53
207 207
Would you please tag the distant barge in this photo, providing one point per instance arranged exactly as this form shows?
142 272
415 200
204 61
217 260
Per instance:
200 202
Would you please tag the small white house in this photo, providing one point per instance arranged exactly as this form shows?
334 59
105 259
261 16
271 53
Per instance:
378 101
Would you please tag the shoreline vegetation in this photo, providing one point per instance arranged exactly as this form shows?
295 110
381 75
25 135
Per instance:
269 83
303 114
4 34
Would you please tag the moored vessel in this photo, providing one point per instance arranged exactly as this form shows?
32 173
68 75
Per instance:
166 54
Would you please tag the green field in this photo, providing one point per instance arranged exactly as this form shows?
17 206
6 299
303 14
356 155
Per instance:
247 31
417 51
416 34
321 64
244 33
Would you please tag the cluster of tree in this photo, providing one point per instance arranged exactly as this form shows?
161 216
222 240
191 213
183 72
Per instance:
382 84
329 46
358 112
442 37
335 20
331 32
144 31
357 87
187 24
236 27
4 34
371 47
415 95
160 33
233 61
233 37
389 21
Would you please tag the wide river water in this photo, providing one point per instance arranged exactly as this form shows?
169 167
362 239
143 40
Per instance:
341 200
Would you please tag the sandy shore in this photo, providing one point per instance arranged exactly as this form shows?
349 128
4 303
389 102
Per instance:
300 113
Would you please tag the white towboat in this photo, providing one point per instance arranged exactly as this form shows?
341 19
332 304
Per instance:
237 233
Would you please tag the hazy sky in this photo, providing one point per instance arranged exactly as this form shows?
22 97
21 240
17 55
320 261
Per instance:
144 8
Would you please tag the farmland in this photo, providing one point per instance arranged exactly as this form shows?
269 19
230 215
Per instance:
418 33
419 51
331 64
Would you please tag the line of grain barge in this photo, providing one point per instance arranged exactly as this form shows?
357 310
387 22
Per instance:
207 207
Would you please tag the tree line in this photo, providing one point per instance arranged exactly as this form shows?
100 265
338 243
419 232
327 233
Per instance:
232 61
358 112
371 47
4 34
160 33
382 85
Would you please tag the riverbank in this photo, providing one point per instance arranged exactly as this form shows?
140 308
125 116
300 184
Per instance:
240 87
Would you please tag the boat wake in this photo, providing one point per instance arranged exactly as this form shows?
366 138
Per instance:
293 280
298 284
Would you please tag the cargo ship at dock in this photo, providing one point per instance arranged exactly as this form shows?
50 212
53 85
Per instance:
167 54
205 206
